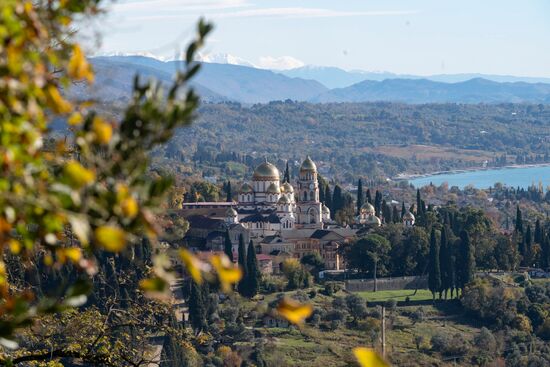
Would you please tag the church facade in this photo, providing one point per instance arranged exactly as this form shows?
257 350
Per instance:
268 207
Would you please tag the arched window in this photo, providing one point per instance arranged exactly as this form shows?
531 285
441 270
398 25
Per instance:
305 195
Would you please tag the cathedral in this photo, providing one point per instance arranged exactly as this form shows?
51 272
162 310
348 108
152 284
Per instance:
267 207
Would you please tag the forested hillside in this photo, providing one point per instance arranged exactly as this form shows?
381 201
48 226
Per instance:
374 139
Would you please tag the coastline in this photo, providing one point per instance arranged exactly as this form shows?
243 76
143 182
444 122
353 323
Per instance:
413 176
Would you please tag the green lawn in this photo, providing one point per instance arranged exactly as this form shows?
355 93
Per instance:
400 295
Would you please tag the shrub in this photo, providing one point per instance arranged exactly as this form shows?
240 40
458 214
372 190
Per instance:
331 288
449 345
418 315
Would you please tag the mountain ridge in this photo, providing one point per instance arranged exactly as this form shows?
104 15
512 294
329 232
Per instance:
248 85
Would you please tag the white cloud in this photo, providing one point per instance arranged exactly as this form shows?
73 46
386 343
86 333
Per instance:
307 13
279 63
179 5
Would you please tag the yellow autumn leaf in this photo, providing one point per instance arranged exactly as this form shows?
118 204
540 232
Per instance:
294 311
74 254
111 238
367 357
102 130
56 102
78 67
15 246
75 119
77 175
129 207
228 273
192 264
3 274
155 287
48 260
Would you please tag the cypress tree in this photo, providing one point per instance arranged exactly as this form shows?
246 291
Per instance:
519 221
528 259
377 203
286 176
434 274
241 287
445 262
197 307
252 272
386 212
228 246
403 210
328 201
545 252
322 185
395 214
229 197
369 197
337 199
360 198
538 232
466 265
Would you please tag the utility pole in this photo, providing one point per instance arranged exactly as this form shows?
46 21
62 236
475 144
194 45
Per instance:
383 332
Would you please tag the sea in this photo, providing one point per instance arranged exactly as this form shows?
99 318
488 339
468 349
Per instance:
521 176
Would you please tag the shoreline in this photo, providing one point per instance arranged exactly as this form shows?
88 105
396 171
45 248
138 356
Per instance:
414 176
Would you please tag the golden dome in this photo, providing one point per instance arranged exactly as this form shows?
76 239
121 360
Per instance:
287 187
374 220
266 171
308 165
408 216
246 188
367 207
283 200
273 189
230 212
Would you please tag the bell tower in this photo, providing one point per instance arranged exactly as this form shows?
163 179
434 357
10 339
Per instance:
308 208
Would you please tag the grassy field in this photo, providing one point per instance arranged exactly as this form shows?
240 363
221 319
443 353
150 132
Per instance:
399 296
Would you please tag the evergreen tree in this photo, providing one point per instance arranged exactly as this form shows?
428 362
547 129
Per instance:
322 183
395 215
434 269
445 262
328 201
378 203
286 176
197 306
545 252
252 272
228 246
538 232
241 287
369 197
386 212
229 193
466 263
360 198
337 199
519 221
403 210
528 258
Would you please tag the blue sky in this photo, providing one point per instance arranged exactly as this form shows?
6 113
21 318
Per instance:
402 36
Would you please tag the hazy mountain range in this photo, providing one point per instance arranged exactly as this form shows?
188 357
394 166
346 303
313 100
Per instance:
218 82
333 77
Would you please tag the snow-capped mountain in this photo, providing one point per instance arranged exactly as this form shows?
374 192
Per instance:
224 58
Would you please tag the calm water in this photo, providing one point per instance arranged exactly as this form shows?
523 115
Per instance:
522 177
